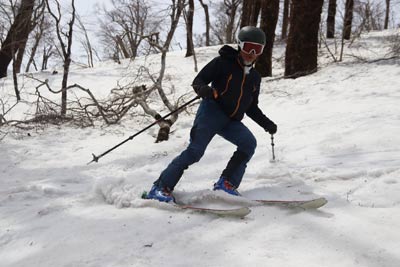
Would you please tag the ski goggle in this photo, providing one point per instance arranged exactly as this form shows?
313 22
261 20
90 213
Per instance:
251 48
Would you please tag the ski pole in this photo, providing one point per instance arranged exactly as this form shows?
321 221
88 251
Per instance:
273 147
96 158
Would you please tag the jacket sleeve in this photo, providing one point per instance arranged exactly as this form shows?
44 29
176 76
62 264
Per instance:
207 74
255 113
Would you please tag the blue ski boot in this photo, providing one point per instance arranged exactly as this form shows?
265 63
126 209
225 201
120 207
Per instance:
161 194
224 185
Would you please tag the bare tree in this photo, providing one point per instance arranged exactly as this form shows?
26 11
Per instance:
387 14
42 26
208 25
218 28
124 27
176 10
86 43
246 13
302 44
8 12
330 21
44 40
250 12
231 10
48 51
15 41
189 29
38 14
226 25
255 12
269 18
285 19
370 16
17 36
65 47
348 19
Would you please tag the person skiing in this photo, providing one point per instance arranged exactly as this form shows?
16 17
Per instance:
234 90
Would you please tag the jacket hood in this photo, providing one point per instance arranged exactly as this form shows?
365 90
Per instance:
228 52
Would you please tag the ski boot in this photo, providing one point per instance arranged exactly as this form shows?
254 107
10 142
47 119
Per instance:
162 194
224 185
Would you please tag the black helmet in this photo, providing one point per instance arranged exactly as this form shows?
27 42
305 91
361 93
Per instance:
252 34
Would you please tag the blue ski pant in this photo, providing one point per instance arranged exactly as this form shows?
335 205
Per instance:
211 120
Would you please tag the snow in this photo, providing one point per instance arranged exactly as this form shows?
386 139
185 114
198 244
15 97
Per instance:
338 137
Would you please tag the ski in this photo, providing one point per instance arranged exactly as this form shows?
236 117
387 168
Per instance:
309 204
301 204
233 212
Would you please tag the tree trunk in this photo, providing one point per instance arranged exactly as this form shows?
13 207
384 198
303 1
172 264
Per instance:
250 13
47 53
15 79
177 10
269 18
121 46
387 14
17 34
65 48
255 12
330 21
285 20
231 12
246 13
205 7
67 63
35 46
20 56
189 29
302 44
64 85
87 45
348 19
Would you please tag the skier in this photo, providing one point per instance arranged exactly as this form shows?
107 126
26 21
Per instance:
234 90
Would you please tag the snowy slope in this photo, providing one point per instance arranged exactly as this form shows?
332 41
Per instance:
338 137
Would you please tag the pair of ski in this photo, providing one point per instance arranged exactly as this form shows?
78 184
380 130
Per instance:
309 204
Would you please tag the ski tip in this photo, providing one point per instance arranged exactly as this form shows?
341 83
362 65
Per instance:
322 200
315 204
246 211
144 195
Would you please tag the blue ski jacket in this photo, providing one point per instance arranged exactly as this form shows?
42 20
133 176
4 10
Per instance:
235 91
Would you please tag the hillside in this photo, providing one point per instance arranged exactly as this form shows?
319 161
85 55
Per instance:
338 137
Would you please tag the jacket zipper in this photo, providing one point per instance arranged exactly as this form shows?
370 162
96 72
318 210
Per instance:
227 85
241 93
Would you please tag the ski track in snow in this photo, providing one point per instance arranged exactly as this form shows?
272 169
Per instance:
338 137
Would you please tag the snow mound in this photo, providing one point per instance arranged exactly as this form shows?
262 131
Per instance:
381 192
117 192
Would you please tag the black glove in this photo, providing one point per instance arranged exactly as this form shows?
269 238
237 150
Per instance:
205 91
271 128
